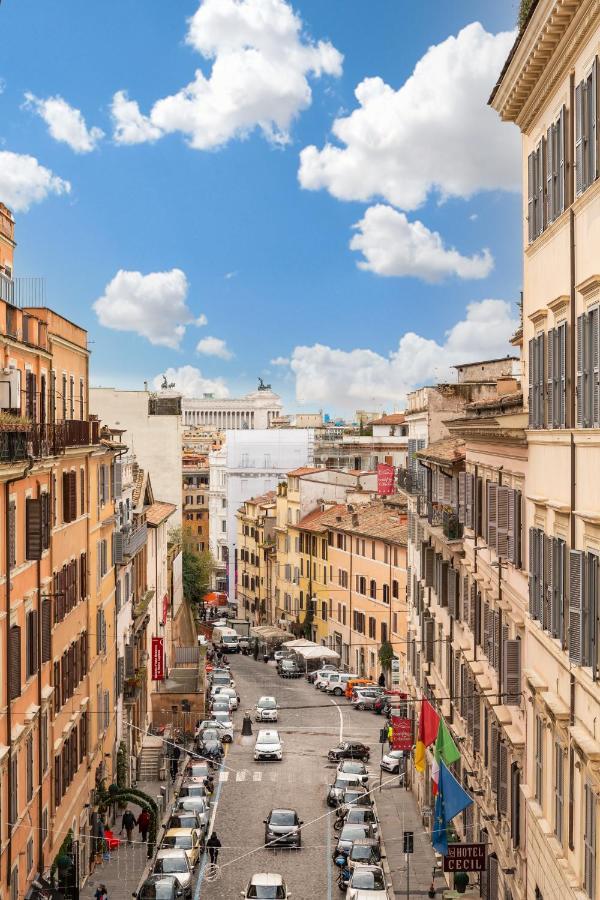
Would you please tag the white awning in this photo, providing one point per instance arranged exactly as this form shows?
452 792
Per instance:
315 651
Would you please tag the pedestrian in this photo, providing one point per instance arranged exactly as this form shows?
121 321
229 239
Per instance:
143 823
128 823
381 680
173 768
213 844
390 735
255 650
101 892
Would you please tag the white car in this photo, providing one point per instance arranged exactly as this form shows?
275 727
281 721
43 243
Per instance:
392 761
323 676
221 723
174 862
354 767
266 710
367 883
266 885
231 695
336 683
268 745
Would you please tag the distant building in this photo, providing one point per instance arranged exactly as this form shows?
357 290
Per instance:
253 411
195 498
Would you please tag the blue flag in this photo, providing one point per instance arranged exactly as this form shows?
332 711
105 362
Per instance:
450 801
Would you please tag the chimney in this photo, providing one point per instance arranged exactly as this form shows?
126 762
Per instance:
355 520
145 385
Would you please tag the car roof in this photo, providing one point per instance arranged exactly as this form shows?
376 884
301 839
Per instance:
179 832
282 810
266 878
367 842
267 733
170 851
266 697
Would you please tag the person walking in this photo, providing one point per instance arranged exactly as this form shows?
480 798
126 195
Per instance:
390 735
143 823
128 823
101 892
381 680
213 844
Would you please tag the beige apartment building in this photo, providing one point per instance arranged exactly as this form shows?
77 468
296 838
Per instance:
255 546
549 88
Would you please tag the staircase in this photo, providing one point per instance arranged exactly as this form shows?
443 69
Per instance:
150 761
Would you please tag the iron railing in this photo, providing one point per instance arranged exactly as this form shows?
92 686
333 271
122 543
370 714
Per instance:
452 528
48 439
25 290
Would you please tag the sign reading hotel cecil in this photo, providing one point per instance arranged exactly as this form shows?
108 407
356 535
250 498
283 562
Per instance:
465 858
385 478
158 659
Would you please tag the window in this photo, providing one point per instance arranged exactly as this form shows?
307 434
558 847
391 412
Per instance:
395 623
372 627
31 643
384 632
386 593
559 775
536 380
589 842
64 396
223 526
44 738
583 608
586 128
539 759
395 590
503 522
588 375
547 562
373 589
324 610
12 532
361 584
14 788
29 767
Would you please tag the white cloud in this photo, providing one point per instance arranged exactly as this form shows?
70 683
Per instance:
261 64
391 245
131 127
230 275
153 306
23 181
435 133
191 382
349 379
280 361
65 123
201 321
213 346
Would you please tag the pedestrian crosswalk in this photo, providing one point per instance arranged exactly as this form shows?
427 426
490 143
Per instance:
267 775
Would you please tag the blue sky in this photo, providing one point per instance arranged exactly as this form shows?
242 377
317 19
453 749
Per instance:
261 239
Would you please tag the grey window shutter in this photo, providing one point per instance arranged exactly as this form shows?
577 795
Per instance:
476 721
593 125
494 755
514 528
98 631
532 573
129 661
541 341
118 547
461 496
452 592
531 196
561 148
502 520
540 573
429 566
492 514
531 368
33 529
558 585
550 174
502 779
550 379
579 138
469 517
512 673
576 606
581 389
443 595
486 627
493 878
540 204
594 368
562 375
548 588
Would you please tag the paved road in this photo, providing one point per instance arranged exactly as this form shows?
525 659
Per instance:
309 723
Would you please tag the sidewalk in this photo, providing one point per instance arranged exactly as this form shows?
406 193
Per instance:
398 812
123 872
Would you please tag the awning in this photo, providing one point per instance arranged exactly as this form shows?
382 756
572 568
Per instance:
316 651
270 634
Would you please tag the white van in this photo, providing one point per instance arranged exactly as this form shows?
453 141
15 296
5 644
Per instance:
322 679
226 639
336 683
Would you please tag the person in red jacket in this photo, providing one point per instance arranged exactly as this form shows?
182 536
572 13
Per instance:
143 823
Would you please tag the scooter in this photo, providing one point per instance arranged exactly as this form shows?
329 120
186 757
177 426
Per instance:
344 874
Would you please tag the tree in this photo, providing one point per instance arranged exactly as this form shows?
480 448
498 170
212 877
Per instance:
197 566
386 655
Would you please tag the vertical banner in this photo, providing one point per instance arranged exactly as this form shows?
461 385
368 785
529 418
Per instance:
165 609
401 733
385 479
158 659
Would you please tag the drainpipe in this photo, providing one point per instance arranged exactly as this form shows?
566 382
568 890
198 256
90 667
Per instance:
500 616
350 616
477 622
39 700
7 486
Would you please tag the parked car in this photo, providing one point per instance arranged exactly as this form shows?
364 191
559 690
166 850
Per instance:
193 789
337 683
349 750
266 710
186 818
268 745
208 741
335 792
357 796
392 761
197 772
365 698
312 676
282 828
355 683
367 883
160 887
184 839
233 697
324 676
199 806
266 885
220 703
366 852
381 706
348 835
175 862
362 815
281 654
354 767
224 725
290 669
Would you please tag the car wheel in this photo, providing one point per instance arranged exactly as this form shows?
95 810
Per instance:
360 705
337 692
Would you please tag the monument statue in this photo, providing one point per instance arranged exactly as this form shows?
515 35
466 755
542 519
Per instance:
262 386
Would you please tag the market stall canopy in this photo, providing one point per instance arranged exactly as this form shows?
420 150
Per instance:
308 650
270 634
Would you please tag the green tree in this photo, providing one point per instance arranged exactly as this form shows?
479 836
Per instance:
197 566
386 655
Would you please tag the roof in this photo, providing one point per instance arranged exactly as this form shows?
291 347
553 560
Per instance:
392 419
513 50
263 498
317 519
482 362
446 451
504 401
266 878
159 511
373 520
304 470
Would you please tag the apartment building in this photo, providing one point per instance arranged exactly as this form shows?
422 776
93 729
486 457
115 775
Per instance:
548 87
315 575
195 498
255 545
58 718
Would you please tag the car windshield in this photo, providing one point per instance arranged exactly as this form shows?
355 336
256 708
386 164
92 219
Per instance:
355 768
360 853
194 790
356 816
157 890
267 704
183 822
180 841
266 892
352 832
396 754
221 715
198 771
210 734
283 817
171 864
367 881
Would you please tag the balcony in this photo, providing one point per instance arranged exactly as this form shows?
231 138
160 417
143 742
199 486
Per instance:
409 481
452 528
20 440
27 290
435 513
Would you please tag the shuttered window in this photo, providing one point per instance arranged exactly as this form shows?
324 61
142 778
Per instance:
586 127
539 759
15 661
503 773
559 781
46 626
589 842
511 688
556 153
494 741
515 804
556 377
12 532
537 380
46 516
588 369
29 767
31 644
33 528
536 191
583 608
428 639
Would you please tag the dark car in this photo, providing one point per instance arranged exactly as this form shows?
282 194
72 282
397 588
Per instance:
348 835
365 852
282 828
349 750
209 743
159 887
356 797
290 669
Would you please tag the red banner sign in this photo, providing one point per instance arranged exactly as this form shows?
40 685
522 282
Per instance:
158 659
401 733
165 609
385 478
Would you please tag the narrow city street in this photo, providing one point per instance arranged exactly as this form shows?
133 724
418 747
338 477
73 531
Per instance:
310 722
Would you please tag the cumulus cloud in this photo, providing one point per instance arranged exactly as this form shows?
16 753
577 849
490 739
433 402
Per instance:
214 346
280 361
191 382
201 321
153 306
261 64
23 181
349 379
435 133
391 245
65 123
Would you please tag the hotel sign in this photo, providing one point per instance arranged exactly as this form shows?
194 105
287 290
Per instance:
465 858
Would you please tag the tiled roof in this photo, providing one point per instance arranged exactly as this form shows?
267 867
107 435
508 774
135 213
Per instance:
263 498
159 511
304 470
392 419
498 403
373 520
447 451
318 519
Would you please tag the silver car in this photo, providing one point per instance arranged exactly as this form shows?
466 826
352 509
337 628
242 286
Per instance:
197 805
175 862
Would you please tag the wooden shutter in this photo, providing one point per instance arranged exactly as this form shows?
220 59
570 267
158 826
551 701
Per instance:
15 661
452 587
532 573
429 626
494 756
515 805
98 631
550 163
531 368
72 496
469 518
502 779
531 196
547 587
541 378
34 642
576 607
514 528
561 167
476 721
46 630
45 501
540 170
492 514
550 379
502 520
443 596
581 369
493 878
561 383
33 529
12 532
579 138
593 132
594 367
462 476
129 661
558 586
486 626
429 566
512 673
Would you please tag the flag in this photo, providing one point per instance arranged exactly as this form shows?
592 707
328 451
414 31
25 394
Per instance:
450 801
429 722
445 749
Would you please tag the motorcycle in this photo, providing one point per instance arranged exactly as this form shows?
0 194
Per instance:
344 874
